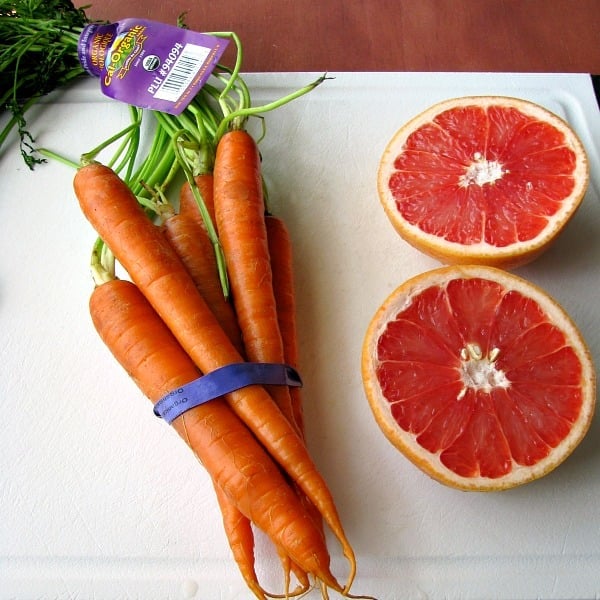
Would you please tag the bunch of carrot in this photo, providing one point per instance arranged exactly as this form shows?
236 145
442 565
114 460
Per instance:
210 284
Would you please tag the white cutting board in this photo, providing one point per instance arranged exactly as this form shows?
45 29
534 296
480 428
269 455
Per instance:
100 499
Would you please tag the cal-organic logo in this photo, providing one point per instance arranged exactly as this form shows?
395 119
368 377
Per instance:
126 47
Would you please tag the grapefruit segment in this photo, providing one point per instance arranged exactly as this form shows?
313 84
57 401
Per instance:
478 376
484 180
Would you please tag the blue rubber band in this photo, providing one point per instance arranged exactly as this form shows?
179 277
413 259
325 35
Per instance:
223 381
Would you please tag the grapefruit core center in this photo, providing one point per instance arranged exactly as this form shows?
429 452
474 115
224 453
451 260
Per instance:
479 372
481 171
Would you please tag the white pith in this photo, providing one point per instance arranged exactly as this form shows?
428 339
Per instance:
479 372
481 172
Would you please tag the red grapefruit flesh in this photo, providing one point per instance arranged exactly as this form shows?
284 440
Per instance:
478 376
483 180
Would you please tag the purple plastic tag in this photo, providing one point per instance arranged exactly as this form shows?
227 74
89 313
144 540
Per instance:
149 64
223 381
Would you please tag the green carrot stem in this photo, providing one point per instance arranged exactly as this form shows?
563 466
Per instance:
128 148
102 263
241 115
239 57
92 154
211 231
47 153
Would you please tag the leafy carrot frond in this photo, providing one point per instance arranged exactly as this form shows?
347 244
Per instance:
38 54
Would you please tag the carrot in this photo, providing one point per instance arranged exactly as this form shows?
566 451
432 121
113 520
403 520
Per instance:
241 541
115 302
239 213
240 536
190 240
243 233
154 266
187 202
280 252
239 466
187 234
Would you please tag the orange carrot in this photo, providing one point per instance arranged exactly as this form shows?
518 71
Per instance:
239 213
191 242
240 217
187 234
248 478
187 202
241 541
154 266
280 251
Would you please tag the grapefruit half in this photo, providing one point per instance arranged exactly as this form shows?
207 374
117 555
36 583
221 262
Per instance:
483 180
478 376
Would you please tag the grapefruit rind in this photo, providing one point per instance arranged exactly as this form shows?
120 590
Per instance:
406 442
449 252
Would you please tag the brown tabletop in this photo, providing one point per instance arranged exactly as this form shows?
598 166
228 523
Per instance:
392 35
